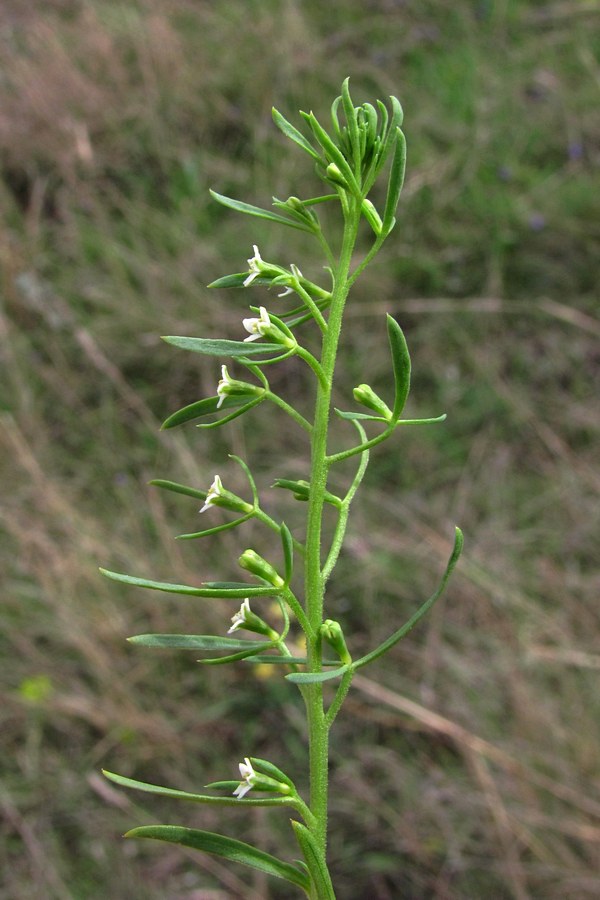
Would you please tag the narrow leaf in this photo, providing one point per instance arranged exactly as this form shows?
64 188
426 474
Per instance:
225 847
237 281
178 488
194 642
287 542
273 659
201 408
314 860
194 798
424 608
209 589
250 210
333 153
356 416
294 135
218 423
316 677
217 528
395 182
351 121
211 347
401 364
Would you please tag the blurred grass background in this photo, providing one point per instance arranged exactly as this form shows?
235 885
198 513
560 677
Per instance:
465 765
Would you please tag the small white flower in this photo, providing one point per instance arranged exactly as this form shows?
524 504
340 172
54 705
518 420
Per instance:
214 492
223 385
239 619
249 779
297 275
257 327
254 266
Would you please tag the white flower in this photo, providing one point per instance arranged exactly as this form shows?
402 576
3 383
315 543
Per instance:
223 385
257 327
239 619
297 275
249 779
254 266
214 491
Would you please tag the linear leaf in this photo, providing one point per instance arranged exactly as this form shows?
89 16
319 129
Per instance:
211 347
294 135
314 860
217 528
287 542
200 408
289 660
250 210
209 589
194 798
401 364
178 488
395 182
237 281
424 608
355 416
194 642
316 677
226 847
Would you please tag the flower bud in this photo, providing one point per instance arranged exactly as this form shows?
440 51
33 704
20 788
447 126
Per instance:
334 174
365 394
256 565
372 216
331 632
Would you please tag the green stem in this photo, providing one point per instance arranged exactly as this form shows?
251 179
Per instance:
314 581
295 415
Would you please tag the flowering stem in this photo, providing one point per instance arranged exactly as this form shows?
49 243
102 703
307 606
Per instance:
314 580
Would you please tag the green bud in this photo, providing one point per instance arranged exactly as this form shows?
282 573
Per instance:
300 489
252 562
331 632
334 174
365 394
372 216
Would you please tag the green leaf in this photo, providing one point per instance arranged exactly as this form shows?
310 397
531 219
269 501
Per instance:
352 122
225 847
233 415
287 542
316 677
202 408
294 135
217 528
194 642
395 182
423 609
178 488
355 416
272 659
401 365
237 281
216 589
317 867
210 347
332 152
193 798
431 421
268 768
250 210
